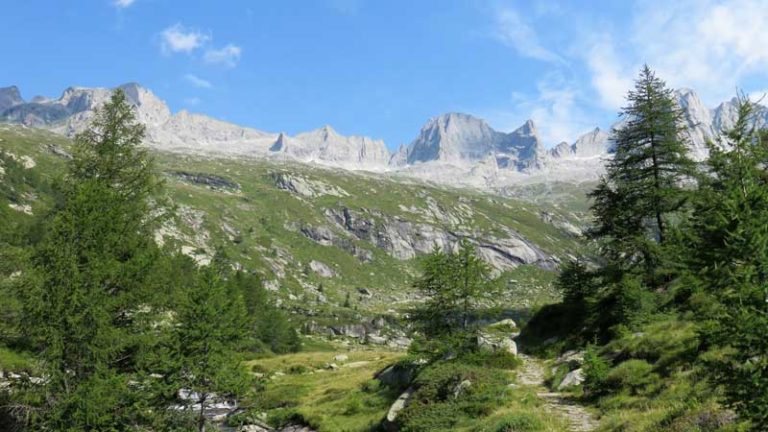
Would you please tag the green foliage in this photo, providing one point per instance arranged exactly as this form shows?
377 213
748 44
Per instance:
518 422
454 284
729 258
80 304
634 375
449 393
209 329
595 372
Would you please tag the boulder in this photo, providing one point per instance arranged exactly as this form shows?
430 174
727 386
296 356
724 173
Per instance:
341 358
390 421
572 379
321 269
496 343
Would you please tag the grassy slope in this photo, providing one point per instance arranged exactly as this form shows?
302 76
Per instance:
266 221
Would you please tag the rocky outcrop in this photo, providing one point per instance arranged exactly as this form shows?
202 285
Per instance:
305 187
212 181
326 237
405 240
321 269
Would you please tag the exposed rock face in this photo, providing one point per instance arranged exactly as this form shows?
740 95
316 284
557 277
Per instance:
405 240
9 96
210 180
460 139
324 145
321 269
326 237
306 187
455 149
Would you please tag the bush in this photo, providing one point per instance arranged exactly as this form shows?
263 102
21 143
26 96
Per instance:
635 375
297 369
371 386
595 372
497 360
437 405
518 422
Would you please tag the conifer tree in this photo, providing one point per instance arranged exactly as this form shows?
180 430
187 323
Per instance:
729 259
454 283
211 326
90 269
644 181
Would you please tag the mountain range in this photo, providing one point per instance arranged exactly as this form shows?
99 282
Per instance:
453 148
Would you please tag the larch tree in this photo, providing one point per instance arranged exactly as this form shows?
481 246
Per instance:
86 298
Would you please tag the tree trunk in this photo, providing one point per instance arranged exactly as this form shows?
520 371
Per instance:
201 417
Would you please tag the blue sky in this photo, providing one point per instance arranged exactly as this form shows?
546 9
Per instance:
382 68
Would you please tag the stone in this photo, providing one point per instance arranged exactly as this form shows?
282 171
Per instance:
321 269
341 358
461 387
572 379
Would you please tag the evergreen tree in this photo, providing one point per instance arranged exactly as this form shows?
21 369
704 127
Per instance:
644 183
453 283
210 327
729 259
83 308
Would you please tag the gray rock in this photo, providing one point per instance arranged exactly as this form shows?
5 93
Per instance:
496 343
390 421
572 379
322 269
461 388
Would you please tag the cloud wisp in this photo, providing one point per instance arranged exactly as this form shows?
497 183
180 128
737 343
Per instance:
198 82
227 56
179 39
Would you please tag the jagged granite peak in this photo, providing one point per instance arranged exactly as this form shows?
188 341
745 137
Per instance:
699 122
9 96
593 143
461 139
453 138
326 146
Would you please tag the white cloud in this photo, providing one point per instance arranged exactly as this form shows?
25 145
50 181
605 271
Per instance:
609 78
227 56
197 81
710 46
512 30
122 4
177 38
556 109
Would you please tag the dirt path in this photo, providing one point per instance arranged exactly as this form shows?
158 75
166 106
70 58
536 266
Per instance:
532 375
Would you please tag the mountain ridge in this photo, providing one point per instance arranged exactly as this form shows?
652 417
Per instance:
452 148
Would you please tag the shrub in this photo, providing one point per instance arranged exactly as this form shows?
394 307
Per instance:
595 372
297 369
371 386
497 359
518 422
635 375
437 406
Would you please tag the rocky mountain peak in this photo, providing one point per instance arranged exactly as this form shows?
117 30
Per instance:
9 96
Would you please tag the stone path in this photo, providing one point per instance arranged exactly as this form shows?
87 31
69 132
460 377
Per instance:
532 375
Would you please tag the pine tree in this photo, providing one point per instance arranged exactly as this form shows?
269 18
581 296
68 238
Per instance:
729 259
644 183
90 268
